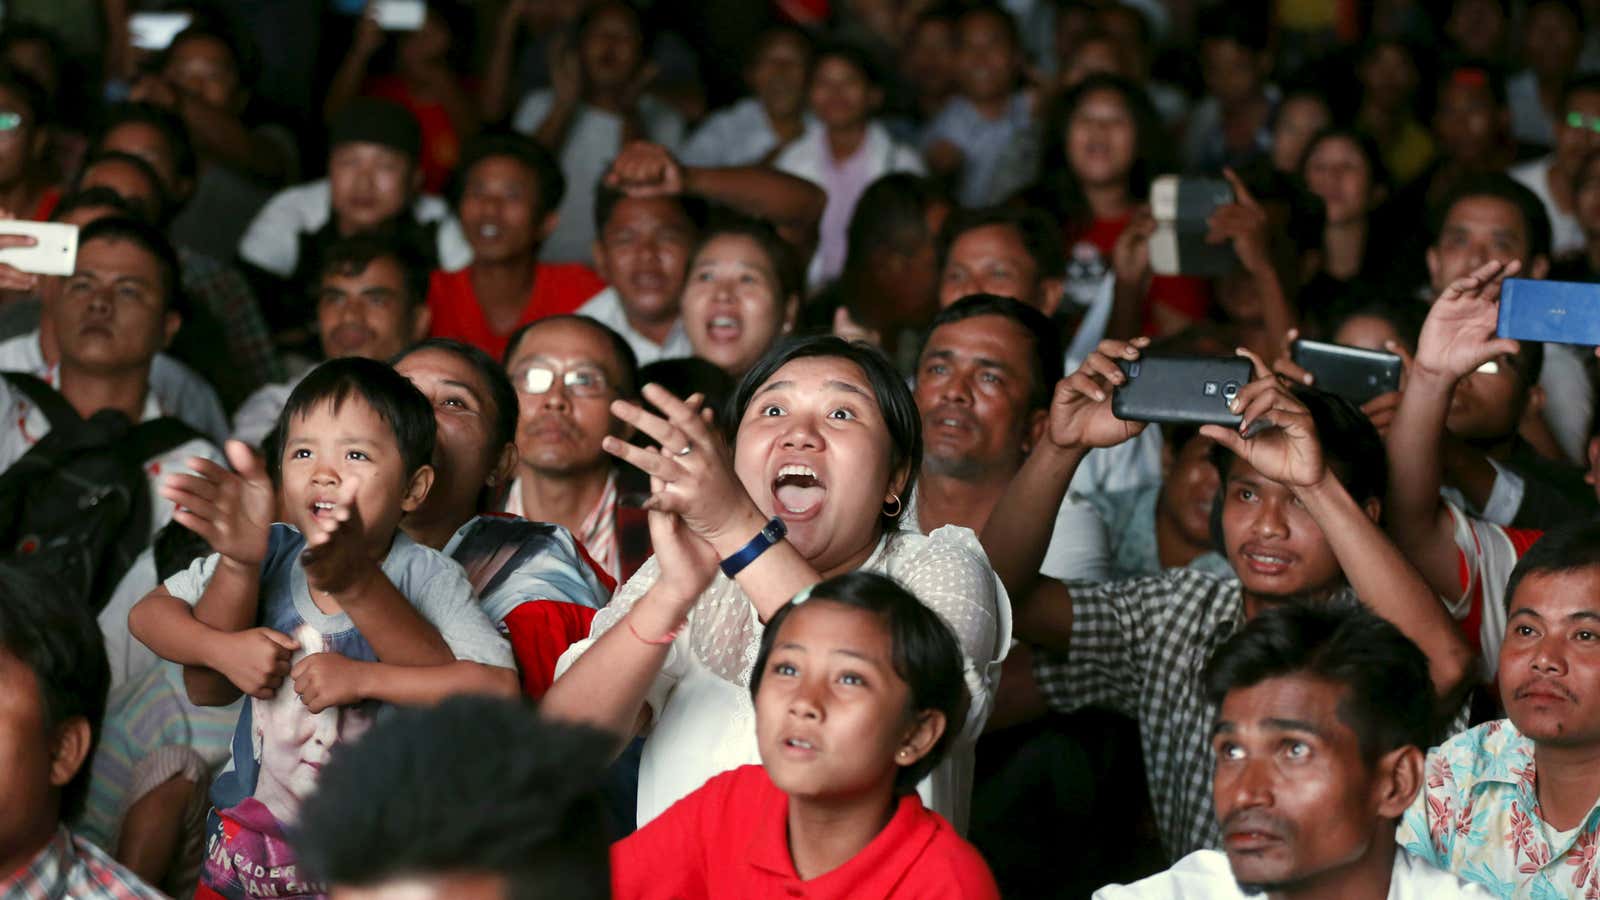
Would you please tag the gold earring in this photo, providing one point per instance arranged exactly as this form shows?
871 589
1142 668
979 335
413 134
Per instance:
897 506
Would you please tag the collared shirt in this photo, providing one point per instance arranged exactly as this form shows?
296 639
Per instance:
606 308
1206 875
982 141
71 868
1139 647
272 242
1478 816
730 839
598 531
738 135
1566 236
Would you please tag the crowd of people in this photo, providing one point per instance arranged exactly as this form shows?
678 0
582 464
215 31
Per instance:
652 448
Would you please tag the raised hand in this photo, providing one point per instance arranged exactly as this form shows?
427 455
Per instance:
566 72
1080 411
232 511
1244 224
335 557
1283 445
695 469
1130 256
255 661
645 169
1458 335
327 679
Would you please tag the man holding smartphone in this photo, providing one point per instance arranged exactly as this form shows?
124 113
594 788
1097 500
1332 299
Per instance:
1297 520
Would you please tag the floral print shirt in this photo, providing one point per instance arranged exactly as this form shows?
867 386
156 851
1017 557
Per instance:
1478 816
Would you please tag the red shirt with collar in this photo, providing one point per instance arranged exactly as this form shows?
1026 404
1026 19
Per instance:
729 839
558 288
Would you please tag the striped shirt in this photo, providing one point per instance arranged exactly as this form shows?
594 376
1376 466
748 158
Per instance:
597 532
71 868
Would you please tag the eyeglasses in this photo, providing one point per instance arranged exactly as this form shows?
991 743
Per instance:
579 381
10 121
1581 121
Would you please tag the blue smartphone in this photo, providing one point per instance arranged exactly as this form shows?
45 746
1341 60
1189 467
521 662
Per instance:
1554 312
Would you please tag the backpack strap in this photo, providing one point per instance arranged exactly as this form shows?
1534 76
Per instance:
155 437
49 400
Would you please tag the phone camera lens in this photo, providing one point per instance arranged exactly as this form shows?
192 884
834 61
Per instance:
1230 390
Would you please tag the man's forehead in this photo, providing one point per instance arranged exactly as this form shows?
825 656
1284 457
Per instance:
1485 212
565 342
114 257
649 212
991 336
1288 698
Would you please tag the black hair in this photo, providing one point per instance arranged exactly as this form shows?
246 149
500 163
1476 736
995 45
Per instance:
392 396
526 152
855 55
501 392
95 196
148 238
1468 71
686 375
607 198
1388 695
60 643
246 59
1586 83
164 121
994 10
1058 188
19 83
773 32
1040 236
785 267
1404 315
925 654
1236 23
350 256
161 199
1377 171
474 784
1498 186
892 214
1046 360
1569 549
895 402
1350 445
627 360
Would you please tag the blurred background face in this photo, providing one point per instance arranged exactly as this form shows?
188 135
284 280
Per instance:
426 48
148 143
841 96
1476 230
643 251
1337 172
203 67
1468 121
1551 39
611 49
731 308
929 57
367 313
1477 28
501 212
986 59
1299 119
1101 54
19 143
778 74
1487 404
1101 139
1389 77
368 184
1586 193
1189 490
1578 128
989 260
1231 71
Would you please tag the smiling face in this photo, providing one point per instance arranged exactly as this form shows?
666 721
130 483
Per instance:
1299 118
1550 662
502 214
1469 122
974 390
1101 139
1337 172
841 95
732 311
831 712
986 57
202 67
778 73
1272 542
814 449
643 251
991 259
1295 800
1189 489
368 184
368 313
559 431
111 314
611 48
466 452
339 457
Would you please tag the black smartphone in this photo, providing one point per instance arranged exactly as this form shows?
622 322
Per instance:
1181 207
1193 390
1353 373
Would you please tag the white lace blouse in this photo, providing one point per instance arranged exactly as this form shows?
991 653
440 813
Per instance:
703 713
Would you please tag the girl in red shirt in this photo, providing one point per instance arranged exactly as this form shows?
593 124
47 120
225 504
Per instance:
854 685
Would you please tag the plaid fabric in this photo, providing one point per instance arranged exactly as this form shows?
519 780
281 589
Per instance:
71 867
222 291
1139 647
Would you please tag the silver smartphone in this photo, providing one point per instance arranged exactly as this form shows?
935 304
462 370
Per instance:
399 15
154 31
55 251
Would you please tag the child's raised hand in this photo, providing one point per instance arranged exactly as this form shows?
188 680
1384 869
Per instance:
325 680
256 661
232 511
335 558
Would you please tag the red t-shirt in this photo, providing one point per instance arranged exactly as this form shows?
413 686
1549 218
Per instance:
729 839
1183 294
557 288
441 146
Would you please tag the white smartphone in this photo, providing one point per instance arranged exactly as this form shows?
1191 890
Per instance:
155 30
54 253
399 15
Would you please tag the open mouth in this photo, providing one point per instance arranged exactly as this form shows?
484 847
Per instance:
724 328
488 231
798 489
1266 562
323 509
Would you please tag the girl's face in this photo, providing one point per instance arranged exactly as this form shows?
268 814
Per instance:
814 449
833 718
1101 138
731 308
841 95
1299 119
1337 172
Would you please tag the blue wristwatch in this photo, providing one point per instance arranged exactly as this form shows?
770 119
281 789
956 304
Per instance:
758 545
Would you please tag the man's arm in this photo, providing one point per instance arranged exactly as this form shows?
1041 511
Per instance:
1456 338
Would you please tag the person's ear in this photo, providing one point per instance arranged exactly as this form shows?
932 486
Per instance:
1399 778
417 489
1539 267
926 728
897 481
70 750
1038 420
1169 458
602 265
1373 507
1051 291
421 321
505 468
791 312
1432 257
171 321
547 225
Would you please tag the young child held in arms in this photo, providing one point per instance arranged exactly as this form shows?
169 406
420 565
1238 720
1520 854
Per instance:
317 620
854 685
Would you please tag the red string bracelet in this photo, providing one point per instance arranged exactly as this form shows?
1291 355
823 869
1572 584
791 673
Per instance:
665 639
